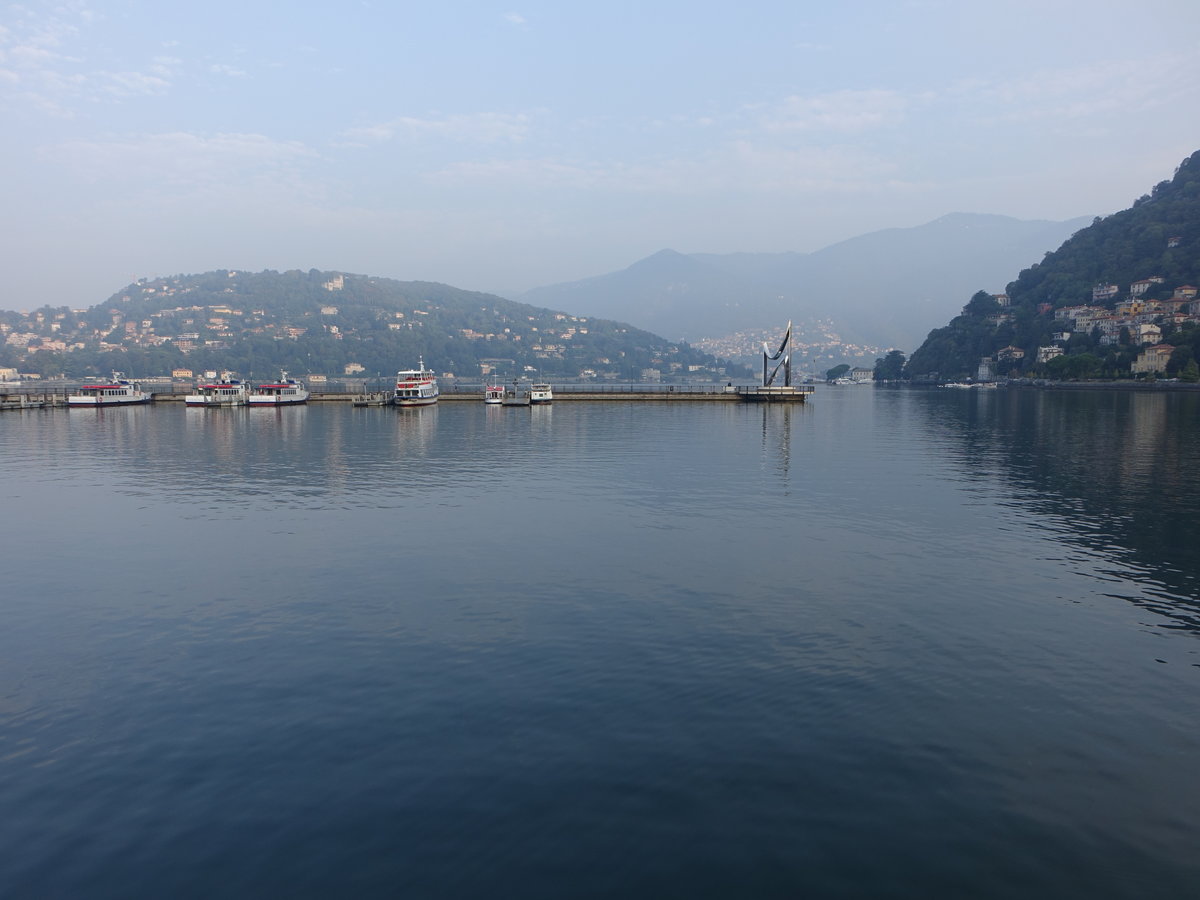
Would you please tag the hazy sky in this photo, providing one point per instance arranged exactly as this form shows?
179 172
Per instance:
501 147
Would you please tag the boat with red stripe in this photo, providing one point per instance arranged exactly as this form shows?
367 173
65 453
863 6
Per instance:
117 392
284 392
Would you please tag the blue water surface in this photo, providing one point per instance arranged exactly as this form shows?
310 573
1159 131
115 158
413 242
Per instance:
891 643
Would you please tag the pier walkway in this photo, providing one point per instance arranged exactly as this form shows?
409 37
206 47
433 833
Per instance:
43 397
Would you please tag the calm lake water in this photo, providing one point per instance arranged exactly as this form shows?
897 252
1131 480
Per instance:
894 643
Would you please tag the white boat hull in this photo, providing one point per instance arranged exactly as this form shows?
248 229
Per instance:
278 401
414 401
116 393
76 401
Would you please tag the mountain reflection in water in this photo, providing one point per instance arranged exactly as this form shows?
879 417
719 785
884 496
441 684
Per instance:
1116 473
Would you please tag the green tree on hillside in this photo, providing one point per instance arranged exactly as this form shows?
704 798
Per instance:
890 367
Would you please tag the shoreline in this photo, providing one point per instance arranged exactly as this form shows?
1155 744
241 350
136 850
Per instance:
1152 386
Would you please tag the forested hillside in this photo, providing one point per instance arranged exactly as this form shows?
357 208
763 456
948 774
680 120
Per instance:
1125 275
322 322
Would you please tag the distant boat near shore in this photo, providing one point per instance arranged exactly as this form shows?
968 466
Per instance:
285 392
228 391
118 392
416 387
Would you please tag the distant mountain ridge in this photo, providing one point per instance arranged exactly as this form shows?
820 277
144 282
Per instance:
887 287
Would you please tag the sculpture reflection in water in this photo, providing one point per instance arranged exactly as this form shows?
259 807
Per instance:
777 440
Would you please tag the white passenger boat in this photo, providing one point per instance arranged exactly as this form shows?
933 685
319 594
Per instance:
493 394
540 393
285 392
415 387
227 391
118 392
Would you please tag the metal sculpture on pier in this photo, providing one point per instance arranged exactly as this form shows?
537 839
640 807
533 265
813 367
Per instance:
785 363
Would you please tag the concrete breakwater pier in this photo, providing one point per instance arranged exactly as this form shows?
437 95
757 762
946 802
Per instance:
591 394
48 397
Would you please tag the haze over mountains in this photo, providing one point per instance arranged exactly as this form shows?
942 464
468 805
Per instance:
850 302
887 288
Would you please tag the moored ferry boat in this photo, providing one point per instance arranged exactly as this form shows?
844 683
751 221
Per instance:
285 392
493 394
540 393
118 392
227 391
415 387
515 395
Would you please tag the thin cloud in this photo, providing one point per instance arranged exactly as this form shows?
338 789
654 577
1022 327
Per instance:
181 162
834 168
122 85
480 128
838 112
739 166
41 71
1111 88
520 173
